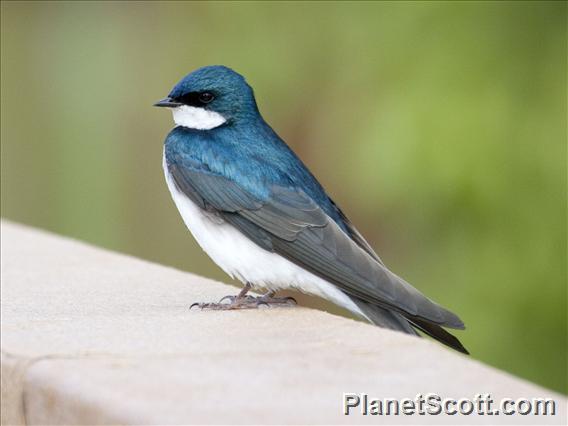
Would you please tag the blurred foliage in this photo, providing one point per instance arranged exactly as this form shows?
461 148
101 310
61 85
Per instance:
440 128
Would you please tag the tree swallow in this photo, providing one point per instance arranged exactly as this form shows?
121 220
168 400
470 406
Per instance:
258 212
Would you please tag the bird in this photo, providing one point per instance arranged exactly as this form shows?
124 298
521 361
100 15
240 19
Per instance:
260 214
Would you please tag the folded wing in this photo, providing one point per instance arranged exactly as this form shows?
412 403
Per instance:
291 224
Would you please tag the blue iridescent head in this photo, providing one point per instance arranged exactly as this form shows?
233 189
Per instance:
209 97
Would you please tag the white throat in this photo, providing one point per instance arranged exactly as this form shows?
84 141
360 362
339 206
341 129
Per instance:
197 118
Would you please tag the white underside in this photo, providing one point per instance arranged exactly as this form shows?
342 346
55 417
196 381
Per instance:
242 259
197 118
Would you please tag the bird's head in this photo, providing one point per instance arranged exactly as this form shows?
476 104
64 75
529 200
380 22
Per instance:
210 97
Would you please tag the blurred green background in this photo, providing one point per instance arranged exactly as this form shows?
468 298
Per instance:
440 128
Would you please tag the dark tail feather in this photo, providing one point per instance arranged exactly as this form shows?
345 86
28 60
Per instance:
396 321
384 318
438 333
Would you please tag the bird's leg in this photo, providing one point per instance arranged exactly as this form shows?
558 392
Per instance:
244 291
242 294
242 301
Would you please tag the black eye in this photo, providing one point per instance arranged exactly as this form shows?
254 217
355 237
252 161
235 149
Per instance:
206 97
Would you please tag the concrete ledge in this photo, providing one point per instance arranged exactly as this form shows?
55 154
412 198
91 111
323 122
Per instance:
94 337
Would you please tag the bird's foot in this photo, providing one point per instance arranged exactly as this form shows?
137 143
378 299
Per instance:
228 303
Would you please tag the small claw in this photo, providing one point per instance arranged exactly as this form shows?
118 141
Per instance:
262 305
193 305
230 298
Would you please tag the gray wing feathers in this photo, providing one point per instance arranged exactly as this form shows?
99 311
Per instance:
357 237
292 224
285 216
329 253
210 190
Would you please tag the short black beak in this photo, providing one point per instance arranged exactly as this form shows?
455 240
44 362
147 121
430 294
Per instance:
167 102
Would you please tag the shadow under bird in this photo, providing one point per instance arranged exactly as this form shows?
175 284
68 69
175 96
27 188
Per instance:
259 213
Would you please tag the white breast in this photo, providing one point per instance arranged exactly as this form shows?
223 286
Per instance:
242 259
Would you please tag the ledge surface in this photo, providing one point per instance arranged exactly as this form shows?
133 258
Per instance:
94 337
